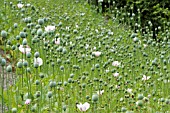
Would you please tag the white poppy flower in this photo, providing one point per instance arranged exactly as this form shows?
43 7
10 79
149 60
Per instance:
145 45
129 90
49 28
115 63
100 92
20 5
24 49
57 41
28 101
97 53
116 74
87 46
83 107
145 77
38 61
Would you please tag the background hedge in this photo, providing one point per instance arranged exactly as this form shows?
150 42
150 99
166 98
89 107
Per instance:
156 12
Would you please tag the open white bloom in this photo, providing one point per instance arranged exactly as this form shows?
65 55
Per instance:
77 26
24 49
145 45
96 30
107 70
20 5
57 41
67 28
28 5
49 28
166 81
71 43
87 46
38 61
116 74
28 101
115 63
145 77
83 107
117 86
129 90
97 53
100 92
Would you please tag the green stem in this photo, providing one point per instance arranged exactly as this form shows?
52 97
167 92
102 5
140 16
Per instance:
3 89
28 83
22 81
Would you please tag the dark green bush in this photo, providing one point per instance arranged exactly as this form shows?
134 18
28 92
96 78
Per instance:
156 12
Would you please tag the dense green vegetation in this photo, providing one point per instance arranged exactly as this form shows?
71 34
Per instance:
63 56
154 14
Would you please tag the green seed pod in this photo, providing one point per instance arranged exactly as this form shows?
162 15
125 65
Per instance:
36 55
64 108
24 42
38 94
28 55
139 103
22 34
14 110
70 80
97 65
19 64
51 84
25 63
3 34
28 70
71 75
8 42
39 32
41 75
95 98
65 83
37 82
54 84
123 109
36 65
13 47
33 108
40 21
15 25
17 37
3 62
49 94
9 68
140 96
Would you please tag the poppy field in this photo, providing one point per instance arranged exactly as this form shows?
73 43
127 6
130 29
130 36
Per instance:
62 56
